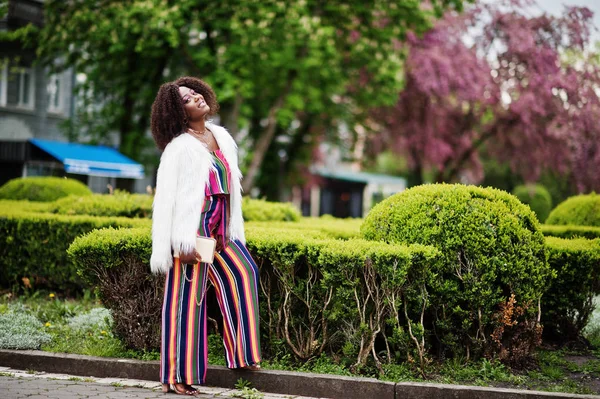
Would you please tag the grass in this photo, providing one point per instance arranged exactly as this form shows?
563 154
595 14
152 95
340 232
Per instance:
84 327
245 390
75 326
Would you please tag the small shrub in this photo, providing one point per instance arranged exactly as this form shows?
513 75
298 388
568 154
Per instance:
568 304
261 210
43 189
119 204
95 319
537 197
591 332
581 210
491 246
514 338
21 331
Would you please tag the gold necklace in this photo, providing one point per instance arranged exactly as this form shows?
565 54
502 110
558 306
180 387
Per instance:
202 137
197 133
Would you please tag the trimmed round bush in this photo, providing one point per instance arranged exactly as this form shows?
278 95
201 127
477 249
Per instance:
581 210
537 197
119 204
261 211
43 189
492 248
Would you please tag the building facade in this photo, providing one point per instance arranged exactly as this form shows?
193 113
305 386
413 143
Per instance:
34 104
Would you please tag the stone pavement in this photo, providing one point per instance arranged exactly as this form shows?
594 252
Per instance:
17 384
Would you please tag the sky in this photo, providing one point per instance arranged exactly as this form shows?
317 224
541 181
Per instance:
555 7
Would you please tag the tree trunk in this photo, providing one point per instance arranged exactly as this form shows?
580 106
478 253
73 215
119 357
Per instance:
131 134
265 140
294 149
450 173
230 116
261 147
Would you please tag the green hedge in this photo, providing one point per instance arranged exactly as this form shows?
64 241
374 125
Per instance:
33 246
321 295
537 197
116 262
570 231
119 204
492 248
581 210
140 205
261 210
568 303
329 227
24 206
316 294
43 189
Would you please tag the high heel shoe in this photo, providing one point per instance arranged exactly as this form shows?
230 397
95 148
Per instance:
187 389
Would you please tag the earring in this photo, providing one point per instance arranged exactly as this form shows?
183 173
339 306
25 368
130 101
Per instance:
185 121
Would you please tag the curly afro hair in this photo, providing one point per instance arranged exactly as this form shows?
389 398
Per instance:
168 118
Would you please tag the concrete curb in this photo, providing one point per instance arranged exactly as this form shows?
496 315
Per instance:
283 382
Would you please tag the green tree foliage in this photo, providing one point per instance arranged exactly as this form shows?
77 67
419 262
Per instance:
271 62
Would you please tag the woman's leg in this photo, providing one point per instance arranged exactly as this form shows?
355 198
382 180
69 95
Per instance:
184 341
234 275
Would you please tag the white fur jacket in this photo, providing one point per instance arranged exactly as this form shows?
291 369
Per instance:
180 190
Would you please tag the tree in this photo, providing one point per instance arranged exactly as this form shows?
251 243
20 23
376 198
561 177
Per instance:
272 63
510 95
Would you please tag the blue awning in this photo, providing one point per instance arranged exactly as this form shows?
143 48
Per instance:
91 160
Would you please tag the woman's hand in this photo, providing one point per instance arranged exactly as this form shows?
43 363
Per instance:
190 258
221 243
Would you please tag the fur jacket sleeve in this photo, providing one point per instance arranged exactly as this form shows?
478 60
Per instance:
180 189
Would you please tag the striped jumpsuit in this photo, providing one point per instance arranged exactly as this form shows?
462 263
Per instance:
234 275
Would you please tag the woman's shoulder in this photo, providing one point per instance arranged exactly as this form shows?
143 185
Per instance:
182 144
178 143
219 131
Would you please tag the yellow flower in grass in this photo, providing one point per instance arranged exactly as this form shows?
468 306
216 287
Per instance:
51 295
103 332
48 324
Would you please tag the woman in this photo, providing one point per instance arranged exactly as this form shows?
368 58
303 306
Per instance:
198 193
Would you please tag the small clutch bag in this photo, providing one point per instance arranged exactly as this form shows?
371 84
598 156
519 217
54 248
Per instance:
206 248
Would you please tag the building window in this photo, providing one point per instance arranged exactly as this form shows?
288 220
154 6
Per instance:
55 90
20 87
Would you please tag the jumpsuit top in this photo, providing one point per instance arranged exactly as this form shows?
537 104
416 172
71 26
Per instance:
214 218
219 177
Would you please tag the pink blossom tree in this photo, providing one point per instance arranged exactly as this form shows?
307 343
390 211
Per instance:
498 81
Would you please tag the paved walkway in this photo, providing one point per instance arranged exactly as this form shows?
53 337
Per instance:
17 384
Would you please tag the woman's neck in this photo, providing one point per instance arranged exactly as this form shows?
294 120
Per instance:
198 126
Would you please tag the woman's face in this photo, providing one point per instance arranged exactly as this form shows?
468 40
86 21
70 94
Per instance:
193 103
